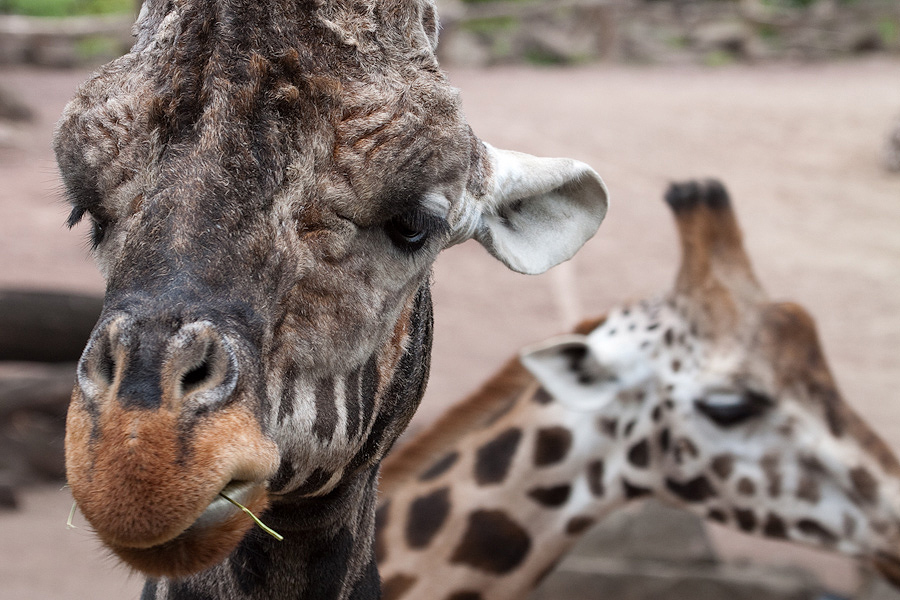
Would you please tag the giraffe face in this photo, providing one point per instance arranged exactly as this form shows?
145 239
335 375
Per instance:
266 204
724 403
748 432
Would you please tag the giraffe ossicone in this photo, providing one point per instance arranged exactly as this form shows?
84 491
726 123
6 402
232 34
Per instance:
710 397
268 185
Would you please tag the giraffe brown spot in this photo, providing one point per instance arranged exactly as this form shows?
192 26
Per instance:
382 515
808 489
542 396
693 490
493 459
629 427
465 595
684 449
634 491
722 466
774 527
746 519
426 517
595 477
552 445
492 542
664 439
864 484
746 487
813 528
717 515
439 467
395 587
639 454
656 415
608 426
676 365
579 524
551 497
669 337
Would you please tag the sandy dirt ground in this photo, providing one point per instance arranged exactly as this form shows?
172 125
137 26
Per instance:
797 146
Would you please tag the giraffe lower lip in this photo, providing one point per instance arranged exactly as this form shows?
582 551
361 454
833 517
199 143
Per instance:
206 542
888 566
220 508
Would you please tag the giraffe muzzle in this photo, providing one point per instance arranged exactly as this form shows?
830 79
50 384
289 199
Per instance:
158 427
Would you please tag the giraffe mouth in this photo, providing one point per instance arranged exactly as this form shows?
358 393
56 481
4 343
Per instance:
220 508
888 565
207 541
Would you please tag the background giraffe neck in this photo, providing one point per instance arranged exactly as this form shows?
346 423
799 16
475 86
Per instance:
503 503
326 553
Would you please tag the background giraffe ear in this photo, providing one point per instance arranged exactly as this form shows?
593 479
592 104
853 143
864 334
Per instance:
538 211
567 368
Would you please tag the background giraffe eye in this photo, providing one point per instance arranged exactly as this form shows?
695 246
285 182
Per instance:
727 409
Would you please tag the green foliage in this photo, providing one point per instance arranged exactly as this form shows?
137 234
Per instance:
718 58
888 31
65 8
490 25
799 3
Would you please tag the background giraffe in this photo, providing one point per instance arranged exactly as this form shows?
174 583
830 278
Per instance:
710 397
269 184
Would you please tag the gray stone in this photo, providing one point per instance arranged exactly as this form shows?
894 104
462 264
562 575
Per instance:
876 588
656 580
653 531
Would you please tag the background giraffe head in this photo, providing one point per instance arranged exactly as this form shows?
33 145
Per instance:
268 185
721 401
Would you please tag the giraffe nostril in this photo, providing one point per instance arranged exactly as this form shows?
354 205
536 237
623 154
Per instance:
105 366
202 360
198 376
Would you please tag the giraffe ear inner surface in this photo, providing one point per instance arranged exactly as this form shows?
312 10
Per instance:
567 368
540 210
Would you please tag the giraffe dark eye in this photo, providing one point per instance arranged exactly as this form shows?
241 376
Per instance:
99 224
410 231
99 229
728 409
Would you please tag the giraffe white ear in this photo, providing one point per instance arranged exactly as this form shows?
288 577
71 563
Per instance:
567 368
539 211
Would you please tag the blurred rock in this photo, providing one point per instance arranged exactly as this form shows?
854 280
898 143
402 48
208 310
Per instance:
660 553
891 152
876 588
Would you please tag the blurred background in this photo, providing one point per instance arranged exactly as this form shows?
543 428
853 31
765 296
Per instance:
793 104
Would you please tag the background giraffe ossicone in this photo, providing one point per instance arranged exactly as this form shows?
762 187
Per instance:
268 185
710 397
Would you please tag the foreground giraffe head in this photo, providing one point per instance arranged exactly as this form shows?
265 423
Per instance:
268 185
710 397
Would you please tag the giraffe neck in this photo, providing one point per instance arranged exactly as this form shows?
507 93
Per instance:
496 511
327 553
